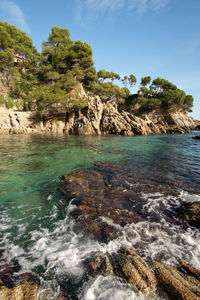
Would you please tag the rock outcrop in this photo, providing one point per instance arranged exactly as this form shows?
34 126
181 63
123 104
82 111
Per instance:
100 210
127 265
107 198
96 119
26 286
149 278
103 203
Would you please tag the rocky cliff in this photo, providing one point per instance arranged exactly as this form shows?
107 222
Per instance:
96 119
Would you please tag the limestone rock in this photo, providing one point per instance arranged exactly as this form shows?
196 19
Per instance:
25 290
149 278
136 271
129 266
191 270
95 119
176 285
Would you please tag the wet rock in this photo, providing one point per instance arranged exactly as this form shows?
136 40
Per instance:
175 129
26 286
100 209
190 269
197 137
23 288
129 266
109 197
197 127
103 264
150 278
191 213
175 284
7 273
134 269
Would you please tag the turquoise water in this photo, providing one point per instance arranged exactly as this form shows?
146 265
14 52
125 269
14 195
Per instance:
35 226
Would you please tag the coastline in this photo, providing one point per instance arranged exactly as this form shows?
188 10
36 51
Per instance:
97 118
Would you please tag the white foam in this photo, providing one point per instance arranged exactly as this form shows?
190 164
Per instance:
49 198
48 290
109 288
62 249
185 196
112 288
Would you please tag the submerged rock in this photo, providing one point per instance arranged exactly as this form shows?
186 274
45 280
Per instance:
108 198
99 210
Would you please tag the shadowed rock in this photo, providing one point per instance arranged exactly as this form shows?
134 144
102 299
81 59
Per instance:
191 213
197 137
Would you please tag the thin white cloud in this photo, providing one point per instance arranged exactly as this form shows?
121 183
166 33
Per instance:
104 4
138 6
159 4
13 14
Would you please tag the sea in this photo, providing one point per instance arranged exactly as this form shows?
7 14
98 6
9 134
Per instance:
38 231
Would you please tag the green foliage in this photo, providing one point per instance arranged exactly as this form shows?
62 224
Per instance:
188 102
9 102
56 49
45 82
161 94
14 41
80 62
102 75
108 90
132 79
2 101
125 80
6 58
145 80
161 85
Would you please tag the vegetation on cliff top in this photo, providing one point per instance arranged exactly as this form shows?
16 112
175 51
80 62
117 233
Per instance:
49 81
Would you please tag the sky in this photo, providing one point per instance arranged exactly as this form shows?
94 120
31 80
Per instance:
160 38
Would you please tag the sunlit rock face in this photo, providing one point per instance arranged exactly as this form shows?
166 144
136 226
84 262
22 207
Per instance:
97 118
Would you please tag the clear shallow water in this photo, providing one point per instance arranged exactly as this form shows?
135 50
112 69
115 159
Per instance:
35 224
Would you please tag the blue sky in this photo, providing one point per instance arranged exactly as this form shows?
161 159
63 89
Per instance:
160 38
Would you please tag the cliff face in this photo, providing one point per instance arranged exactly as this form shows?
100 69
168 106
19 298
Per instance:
98 118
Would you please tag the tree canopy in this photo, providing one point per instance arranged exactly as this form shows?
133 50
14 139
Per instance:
161 94
48 78
14 41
